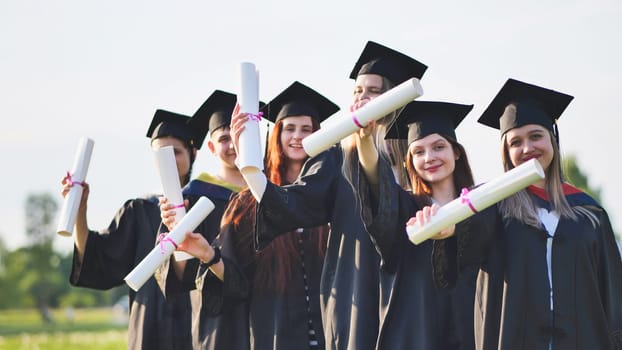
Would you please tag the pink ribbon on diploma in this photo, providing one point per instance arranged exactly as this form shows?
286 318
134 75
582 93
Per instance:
255 117
165 238
356 121
71 182
464 196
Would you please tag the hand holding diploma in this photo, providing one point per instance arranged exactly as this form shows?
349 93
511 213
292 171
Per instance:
480 198
249 148
171 187
254 177
339 126
75 179
145 269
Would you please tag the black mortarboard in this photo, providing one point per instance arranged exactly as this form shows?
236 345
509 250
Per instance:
534 105
165 123
215 112
391 64
422 118
299 99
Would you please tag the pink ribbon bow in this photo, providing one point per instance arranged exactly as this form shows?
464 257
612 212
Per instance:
165 238
255 117
356 121
71 182
464 196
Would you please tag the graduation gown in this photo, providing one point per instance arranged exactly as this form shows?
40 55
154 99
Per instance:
413 313
219 317
513 296
154 322
350 276
277 319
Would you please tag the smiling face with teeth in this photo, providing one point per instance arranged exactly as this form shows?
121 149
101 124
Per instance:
294 129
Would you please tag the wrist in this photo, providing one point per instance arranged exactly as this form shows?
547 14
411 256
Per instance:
215 258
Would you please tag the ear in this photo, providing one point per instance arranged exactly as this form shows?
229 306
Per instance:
194 152
211 146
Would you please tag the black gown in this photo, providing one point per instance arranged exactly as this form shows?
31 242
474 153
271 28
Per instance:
279 320
349 292
219 316
413 313
513 300
154 322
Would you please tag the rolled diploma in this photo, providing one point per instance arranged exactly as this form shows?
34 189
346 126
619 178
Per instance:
169 176
481 198
145 269
250 154
340 126
71 203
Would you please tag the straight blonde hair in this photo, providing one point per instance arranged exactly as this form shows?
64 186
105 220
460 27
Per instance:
521 206
393 151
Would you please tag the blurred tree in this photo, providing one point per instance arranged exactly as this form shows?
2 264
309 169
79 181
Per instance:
40 279
576 177
37 276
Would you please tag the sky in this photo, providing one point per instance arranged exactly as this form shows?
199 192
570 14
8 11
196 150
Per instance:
72 69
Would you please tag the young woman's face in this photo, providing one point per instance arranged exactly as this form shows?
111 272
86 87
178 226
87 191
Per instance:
366 88
433 158
527 142
295 128
220 144
182 155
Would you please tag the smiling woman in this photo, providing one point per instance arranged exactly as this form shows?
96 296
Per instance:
551 237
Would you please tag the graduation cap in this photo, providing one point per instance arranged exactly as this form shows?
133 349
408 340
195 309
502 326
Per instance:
215 112
391 64
422 118
299 99
165 123
531 104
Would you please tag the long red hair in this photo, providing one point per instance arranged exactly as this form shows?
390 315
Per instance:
273 264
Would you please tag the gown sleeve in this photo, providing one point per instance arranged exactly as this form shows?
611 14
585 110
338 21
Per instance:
385 216
469 246
610 279
305 203
110 254
236 252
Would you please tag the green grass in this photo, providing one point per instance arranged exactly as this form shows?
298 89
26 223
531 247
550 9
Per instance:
95 329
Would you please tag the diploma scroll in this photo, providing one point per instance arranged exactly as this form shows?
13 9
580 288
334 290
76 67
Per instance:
250 154
477 199
145 269
71 203
171 187
340 126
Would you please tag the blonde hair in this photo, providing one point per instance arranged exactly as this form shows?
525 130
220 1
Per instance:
520 206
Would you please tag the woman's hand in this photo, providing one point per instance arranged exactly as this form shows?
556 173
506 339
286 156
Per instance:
68 184
167 212
237 126
196 245
423 216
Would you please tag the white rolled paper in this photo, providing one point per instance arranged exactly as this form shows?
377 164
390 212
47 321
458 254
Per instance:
250 154
145 269
479 198
171 187
340 126
71 203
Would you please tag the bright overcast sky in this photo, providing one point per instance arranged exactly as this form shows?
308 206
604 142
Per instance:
100 69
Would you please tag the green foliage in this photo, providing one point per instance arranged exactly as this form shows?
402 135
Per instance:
94 328
575 176
40 217
36 276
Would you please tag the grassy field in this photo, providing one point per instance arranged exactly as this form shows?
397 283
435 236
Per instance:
93 329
